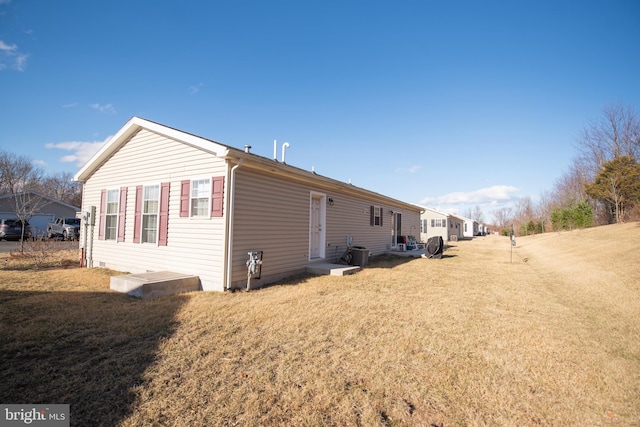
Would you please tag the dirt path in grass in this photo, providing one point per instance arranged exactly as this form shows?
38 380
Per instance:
594 275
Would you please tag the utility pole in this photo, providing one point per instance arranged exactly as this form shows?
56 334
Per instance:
513 243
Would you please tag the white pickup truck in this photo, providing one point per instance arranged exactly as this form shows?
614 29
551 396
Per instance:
67 228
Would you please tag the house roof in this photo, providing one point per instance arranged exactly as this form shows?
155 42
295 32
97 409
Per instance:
51 199
231 154
441 213
468 219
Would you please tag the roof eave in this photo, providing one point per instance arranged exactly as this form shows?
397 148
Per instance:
273 166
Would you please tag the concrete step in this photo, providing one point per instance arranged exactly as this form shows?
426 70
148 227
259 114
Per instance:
326 269
155 284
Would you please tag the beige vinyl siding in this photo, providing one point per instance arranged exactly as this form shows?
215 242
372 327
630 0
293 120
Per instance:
352 216
443 232
272 215
195 246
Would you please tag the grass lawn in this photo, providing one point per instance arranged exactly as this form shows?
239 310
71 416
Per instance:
552 338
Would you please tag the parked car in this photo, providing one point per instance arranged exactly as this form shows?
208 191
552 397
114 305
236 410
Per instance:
67 228
12 229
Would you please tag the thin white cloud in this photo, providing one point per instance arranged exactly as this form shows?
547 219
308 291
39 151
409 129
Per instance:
195 89
108 108
11 57
39 162
20 62
73 104
7 48
410 169
489 195
81 151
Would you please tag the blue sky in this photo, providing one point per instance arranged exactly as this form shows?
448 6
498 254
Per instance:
446 104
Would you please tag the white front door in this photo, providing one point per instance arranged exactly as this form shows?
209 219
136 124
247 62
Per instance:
317 216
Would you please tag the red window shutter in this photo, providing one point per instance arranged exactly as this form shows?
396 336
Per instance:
217 196
103 213
185 187
137 219
372 220
163 226
381 216
122 212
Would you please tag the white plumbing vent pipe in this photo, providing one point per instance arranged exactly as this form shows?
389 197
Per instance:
284 147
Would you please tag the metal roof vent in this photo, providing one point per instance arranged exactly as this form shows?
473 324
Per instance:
247 148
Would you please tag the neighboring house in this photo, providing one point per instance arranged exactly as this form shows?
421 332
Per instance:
471 227
167 200
435 223
47 210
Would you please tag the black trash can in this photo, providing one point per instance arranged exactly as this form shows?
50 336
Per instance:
360 256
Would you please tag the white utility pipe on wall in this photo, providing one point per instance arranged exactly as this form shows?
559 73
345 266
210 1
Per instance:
231 194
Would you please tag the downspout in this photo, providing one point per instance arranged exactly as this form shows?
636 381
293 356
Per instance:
231 195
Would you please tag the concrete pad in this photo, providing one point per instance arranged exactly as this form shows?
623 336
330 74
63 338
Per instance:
416 253
155 284
326 269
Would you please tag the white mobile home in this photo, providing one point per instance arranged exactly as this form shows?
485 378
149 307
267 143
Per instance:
471 227
167 200
435 223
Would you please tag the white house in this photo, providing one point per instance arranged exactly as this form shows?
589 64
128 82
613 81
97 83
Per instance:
436 223
471 227
168 200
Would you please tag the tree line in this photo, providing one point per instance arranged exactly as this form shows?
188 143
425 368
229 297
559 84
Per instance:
601 185
29 188
19 174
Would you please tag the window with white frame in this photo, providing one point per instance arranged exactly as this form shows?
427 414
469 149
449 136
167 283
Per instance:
111 215
150 210
200 194
438 223
376 215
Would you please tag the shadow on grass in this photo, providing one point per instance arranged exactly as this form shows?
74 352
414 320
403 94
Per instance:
85 349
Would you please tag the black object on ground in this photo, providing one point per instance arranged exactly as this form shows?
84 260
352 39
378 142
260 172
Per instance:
435 247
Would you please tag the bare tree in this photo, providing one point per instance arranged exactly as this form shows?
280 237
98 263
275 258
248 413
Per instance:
20 178
502 217
475 214
524 213
615 133
60 186
18 174
569 188
543 210
570 191
25 205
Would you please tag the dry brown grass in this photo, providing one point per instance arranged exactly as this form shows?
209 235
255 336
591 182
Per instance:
472 339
